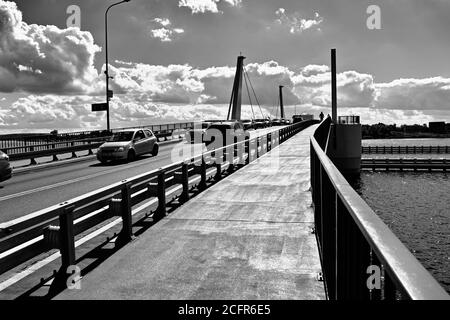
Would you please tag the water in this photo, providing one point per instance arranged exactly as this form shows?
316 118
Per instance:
416 207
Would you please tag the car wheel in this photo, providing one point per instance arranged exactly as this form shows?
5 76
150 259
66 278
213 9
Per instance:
103 161
131 155
155 150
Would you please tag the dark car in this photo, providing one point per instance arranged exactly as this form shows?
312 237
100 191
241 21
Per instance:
284 122
277 122
296 118
230 132
259 123
248 124
5 167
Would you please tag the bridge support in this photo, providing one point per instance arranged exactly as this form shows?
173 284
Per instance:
281 103
235 103
344 140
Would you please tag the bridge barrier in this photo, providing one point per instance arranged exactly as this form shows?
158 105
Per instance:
43 145
406 164
361 257
58 226
405 149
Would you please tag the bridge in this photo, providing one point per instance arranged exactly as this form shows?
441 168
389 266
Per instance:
269 217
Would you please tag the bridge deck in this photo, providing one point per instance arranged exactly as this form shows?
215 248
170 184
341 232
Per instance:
246 237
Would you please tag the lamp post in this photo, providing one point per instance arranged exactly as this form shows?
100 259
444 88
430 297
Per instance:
108 95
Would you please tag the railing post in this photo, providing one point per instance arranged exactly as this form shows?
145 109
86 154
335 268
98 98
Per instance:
74 155
162 195
202 184
126 234
247 150
185 182
67 238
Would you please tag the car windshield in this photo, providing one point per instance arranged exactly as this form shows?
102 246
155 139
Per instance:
122 136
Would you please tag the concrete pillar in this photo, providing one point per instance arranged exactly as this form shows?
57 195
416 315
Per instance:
237 90
346 152
281 103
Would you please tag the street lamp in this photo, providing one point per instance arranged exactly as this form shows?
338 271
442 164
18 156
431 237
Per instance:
108 93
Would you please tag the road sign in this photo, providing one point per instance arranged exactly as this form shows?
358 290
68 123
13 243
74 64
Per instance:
99 106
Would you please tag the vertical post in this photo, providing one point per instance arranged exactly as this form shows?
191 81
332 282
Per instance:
247 150
202 184
126 233
162 195
281 102
333 87
107 69
66 238
237 90
185 182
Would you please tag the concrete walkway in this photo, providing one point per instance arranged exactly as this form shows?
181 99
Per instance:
247 237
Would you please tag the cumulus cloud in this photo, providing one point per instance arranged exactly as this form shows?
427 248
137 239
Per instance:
165 33
296 23
43 59
185 84
414 94
202 6
48 112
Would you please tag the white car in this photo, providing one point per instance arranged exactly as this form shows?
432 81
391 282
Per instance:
127 145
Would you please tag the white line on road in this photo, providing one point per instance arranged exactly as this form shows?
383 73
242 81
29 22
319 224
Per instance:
63 183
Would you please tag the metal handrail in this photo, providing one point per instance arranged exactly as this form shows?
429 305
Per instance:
338 209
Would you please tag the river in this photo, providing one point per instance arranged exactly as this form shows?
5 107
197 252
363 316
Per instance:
415 206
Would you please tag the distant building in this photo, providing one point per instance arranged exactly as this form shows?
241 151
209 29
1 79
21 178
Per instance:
437 127
447 127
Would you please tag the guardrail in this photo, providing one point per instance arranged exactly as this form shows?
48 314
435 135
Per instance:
361 257
36 146
406 164
405 149
57 227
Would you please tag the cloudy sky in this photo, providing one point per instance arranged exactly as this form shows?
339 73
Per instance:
175 60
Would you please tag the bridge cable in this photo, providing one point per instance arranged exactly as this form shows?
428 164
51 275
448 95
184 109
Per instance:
251 85
248 93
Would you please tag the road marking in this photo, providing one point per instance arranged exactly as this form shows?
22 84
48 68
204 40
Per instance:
63 183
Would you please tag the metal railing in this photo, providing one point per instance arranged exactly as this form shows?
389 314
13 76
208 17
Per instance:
361 257
44 145
405 149
58 226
